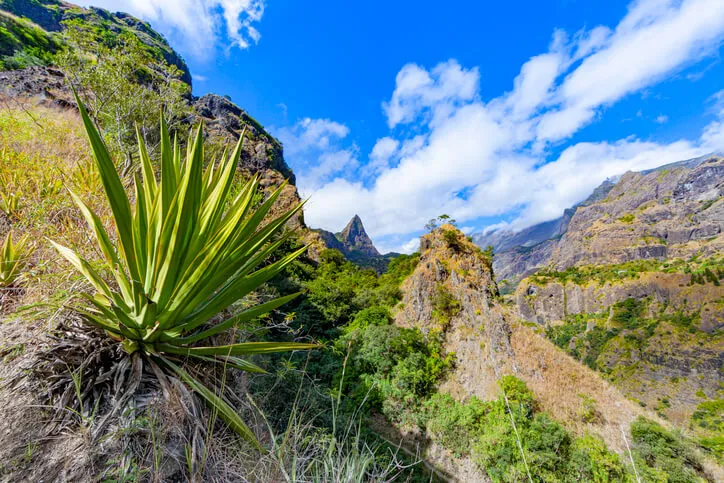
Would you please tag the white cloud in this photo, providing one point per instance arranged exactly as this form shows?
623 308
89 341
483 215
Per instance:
713 136
661 119
411 246
417 90
655 38
381 155
458 154
197 26
315 146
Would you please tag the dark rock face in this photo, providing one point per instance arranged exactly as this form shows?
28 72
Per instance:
45 83
354 237
518 254
224 121
355 245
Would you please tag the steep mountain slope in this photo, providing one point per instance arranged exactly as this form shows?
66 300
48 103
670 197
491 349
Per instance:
354 243
452 295
633 288
670 211
49 16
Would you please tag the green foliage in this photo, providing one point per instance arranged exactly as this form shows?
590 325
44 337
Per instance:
396 368
452 239
601 274
582 343
628 313
627 218
444 305
123 83
709 417
664 451
182 258
590 460
24 44
453 424
13 259
440 220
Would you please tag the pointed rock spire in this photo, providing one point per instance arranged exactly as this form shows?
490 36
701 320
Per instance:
354 237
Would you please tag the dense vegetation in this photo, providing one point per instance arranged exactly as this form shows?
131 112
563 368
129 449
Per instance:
374 366
706 270
24 44
313 402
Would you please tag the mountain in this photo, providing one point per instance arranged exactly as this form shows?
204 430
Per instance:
452 297
674 203
30 34
354 243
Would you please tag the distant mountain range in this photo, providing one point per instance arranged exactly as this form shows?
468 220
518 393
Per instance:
562 243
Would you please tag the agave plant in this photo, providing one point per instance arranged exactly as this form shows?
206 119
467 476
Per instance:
184 255
13 259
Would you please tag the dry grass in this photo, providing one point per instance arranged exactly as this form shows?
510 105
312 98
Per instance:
43 153
560 382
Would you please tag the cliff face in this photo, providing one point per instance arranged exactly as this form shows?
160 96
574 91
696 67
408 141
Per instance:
452 294
666 213
672 211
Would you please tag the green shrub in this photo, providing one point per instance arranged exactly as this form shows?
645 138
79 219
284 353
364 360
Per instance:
590 460
445 305
665 451
454 424
627 218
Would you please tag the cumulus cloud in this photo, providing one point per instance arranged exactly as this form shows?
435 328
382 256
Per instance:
474 159
198 26
315 146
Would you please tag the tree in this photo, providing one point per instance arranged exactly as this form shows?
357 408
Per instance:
123 84
440 220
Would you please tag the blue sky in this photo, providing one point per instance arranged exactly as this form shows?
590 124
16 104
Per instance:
498 113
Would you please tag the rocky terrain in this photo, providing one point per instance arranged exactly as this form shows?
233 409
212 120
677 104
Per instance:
353 242
49 15
452 294
671 211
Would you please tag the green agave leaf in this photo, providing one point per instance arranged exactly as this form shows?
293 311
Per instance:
239 349
244 316
116 194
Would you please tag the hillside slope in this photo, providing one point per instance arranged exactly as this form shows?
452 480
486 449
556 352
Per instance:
452 293
670 211
49 17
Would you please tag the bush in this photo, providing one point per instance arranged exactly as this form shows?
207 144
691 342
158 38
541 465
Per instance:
454 424
590 460
665 451
445 305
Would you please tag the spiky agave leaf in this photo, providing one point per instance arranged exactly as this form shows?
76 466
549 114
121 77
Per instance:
13 259
186 253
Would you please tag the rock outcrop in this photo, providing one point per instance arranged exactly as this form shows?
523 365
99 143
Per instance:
675 210
551 303
50 15
452 292
353 242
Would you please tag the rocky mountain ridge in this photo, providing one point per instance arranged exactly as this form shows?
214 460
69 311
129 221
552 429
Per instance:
452 294
665 212
353 242
50 16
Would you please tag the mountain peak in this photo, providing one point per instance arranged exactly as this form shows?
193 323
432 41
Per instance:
354 237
